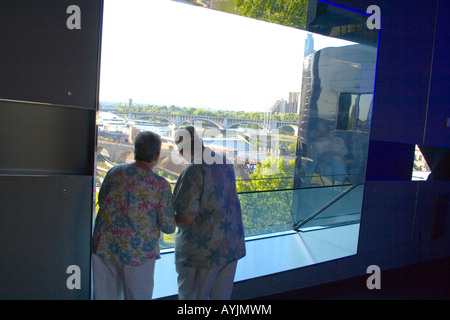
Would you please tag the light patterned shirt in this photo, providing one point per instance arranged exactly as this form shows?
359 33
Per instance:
135 205
216 236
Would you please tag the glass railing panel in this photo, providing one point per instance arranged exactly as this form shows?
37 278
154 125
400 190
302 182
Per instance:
263 213
266 212
324 207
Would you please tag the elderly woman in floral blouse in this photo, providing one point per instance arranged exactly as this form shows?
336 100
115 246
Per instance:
135 205
210 236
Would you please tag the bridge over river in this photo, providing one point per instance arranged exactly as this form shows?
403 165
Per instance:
222 123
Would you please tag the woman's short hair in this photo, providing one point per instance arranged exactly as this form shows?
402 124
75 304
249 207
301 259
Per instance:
147 144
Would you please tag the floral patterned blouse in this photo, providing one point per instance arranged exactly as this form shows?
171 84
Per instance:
135 205
216 236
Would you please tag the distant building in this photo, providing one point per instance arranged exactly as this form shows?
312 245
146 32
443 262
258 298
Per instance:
276 108
283 106
292 105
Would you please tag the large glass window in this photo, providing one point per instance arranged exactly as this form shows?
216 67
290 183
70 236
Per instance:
290 108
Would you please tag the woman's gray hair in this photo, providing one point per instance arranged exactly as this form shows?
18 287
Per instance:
147 144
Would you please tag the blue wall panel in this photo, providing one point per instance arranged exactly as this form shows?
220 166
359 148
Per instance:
403 70
389 161
388 215
437 131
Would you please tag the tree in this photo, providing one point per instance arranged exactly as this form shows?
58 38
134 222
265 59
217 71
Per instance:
290 117
291 13
269 208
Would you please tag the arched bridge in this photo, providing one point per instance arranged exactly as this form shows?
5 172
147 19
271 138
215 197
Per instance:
223 123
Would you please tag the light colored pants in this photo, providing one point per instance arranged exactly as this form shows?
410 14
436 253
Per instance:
116 281
206 284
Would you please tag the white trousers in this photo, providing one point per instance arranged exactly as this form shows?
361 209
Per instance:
116 281
206 284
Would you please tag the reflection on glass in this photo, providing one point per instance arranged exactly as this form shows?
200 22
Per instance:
334 206
421 169
291 109
335 116
291 13
354 111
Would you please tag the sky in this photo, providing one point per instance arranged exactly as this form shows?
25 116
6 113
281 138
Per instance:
168 53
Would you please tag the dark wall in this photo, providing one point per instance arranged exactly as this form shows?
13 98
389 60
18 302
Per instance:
48 102
402 222
42 60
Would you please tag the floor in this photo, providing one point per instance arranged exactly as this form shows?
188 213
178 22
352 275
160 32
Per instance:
277 253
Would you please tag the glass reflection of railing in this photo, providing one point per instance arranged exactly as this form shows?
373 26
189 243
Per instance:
330 206
265 212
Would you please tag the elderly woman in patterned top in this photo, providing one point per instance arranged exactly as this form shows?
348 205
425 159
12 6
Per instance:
135 206
210 236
